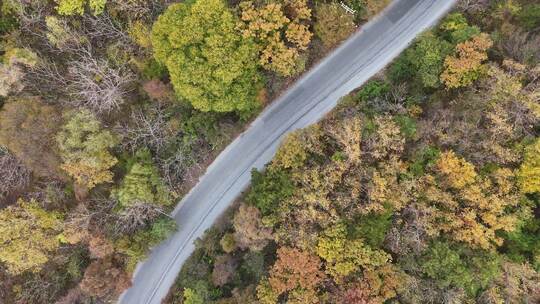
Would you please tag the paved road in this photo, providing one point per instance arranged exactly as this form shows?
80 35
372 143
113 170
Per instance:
362 56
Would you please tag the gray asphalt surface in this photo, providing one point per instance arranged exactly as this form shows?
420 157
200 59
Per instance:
348 67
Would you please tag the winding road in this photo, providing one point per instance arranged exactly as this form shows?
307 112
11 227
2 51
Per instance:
314 95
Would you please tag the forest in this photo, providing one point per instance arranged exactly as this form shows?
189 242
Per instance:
110 110
422 186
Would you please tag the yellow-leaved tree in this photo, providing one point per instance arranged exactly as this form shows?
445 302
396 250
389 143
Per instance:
529 172
281 32
469 207
84 147
465 65
28 236
77 7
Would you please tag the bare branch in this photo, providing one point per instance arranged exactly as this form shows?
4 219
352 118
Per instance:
147 129
135 217
97 85
14 176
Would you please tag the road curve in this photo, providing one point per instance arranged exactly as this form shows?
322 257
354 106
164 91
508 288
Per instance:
314 95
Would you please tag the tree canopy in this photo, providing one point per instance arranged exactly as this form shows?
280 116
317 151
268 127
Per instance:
211 65
28 236
84 147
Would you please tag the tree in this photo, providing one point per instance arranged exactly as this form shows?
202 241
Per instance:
333 23
280 31
529 16
100 247
28 236
84 147
211 66
456 172
456 29
14 174
523 244
445 265
295 269
148 128
454 266
136 245
265 294
344 256
373 7
76 7
387 139
292 152
249 231
11 70
348 133
97 85
137 216
27 128
191 297
11 79
142 183
465 66
517 283
377 285
224 270
268 189
228 243
425 60
62 36
529 171
104 279
470 208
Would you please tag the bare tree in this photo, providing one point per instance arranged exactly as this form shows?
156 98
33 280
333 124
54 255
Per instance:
141 8
102 28
29 13
175 168
97 85
411 235
95 216
46 79
521 45
473 6
14 175
63 38
135 217
146 129
10 79
50 193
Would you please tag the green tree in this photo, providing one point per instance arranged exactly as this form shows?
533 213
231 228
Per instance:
136 246
211 65
373 227
455 29
426 58
142 183
529 16
28 235
269 188
84 147
523 244
458 266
